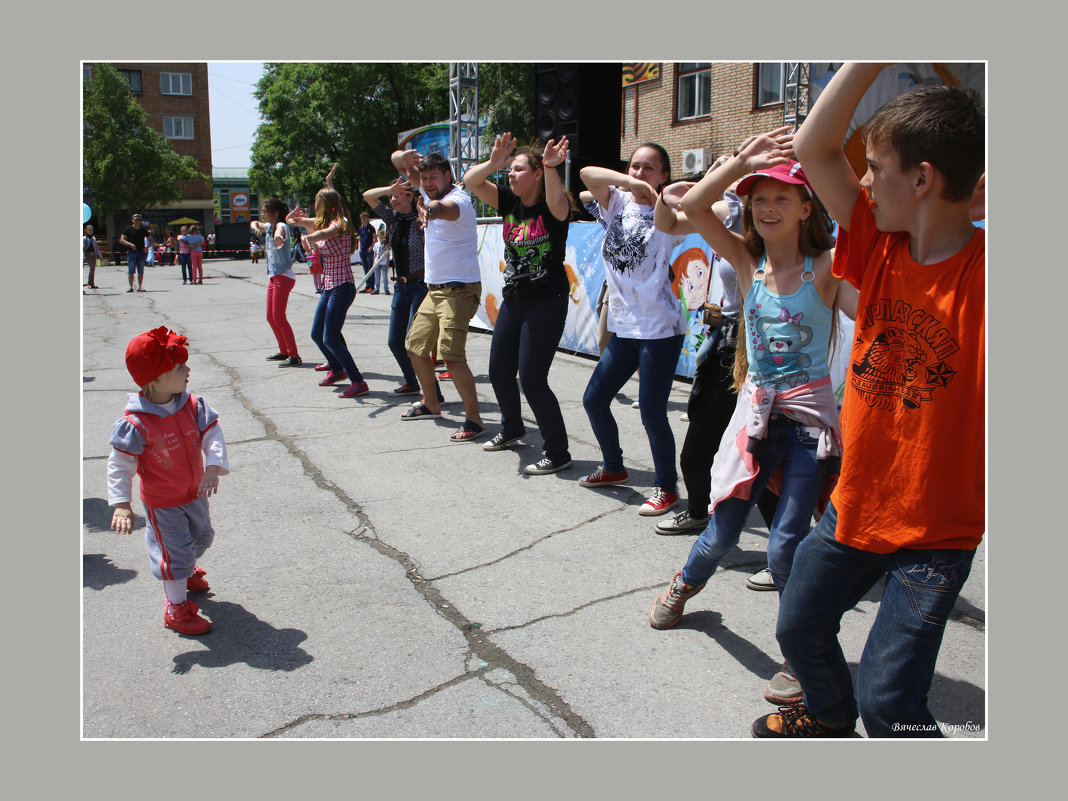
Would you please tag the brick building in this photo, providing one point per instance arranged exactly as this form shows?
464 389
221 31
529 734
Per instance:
175 99
704 107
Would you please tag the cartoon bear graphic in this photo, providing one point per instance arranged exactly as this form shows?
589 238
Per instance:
778 342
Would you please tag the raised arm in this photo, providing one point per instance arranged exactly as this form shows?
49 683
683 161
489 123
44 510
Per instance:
408 163
555 195
330 177
818 143
475 178
755 154
667 216
372 197
599 179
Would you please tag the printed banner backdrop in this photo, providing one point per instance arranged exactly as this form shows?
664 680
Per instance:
433 138
585 271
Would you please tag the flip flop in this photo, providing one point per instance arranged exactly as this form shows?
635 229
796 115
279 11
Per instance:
469 432
419 411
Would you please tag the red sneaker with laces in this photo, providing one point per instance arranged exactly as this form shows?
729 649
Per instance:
185 619
659 502
333 377
196 582
599 478
355 390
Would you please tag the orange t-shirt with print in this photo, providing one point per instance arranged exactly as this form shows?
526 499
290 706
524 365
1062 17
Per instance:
914 408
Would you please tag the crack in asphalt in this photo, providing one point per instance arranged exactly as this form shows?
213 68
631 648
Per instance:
477 641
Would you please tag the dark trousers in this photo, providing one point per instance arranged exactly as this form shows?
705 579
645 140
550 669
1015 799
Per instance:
525 337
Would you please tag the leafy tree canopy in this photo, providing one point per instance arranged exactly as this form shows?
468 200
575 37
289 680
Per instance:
127 164
317 114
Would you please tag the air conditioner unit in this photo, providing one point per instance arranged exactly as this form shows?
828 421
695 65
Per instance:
694 161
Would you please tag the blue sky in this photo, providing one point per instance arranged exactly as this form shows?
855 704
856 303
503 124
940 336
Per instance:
234 117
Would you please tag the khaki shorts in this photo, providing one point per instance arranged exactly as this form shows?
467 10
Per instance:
442 320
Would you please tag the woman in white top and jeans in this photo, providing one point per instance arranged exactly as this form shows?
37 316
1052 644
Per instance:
644 317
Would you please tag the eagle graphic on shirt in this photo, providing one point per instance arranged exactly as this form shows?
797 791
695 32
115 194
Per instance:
906 361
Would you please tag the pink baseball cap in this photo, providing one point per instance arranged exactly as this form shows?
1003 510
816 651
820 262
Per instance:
790 173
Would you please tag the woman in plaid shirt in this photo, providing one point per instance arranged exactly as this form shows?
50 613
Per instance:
332 233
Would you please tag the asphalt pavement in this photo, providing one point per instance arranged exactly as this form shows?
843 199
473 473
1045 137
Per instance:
372 579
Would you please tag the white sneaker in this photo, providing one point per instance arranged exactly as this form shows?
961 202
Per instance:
761 581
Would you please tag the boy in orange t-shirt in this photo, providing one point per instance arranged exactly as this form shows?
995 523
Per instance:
910 500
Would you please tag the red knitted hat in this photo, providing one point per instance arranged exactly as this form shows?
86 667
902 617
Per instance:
153 353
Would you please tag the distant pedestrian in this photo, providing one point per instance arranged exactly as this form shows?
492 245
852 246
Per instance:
164 437
381 262
367 244
135 239
196 254
185 261
91 254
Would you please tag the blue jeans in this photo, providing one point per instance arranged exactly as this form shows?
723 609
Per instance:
787 444
327 322
367 259
406 300
185 261
898 661
657 359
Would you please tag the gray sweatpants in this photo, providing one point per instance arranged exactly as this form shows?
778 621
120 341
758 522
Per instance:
177 537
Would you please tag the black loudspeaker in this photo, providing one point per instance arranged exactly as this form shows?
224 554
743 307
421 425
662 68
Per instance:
582 102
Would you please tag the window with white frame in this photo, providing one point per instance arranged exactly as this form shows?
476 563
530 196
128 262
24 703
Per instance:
178 127
695 90
133 77
176 83
769 84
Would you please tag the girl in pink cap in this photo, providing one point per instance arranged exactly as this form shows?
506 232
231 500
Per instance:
784 432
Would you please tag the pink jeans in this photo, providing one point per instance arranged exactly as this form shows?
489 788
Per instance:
197 257
278 289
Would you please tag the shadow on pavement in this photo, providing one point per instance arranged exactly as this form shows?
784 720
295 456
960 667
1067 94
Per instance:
98 572
237 635
744 652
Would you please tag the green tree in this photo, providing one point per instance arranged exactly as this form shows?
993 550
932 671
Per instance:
506 98
317 114
126 163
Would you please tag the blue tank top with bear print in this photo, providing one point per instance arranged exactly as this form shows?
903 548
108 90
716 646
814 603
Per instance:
787 336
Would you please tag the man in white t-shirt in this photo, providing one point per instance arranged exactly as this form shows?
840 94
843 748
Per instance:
454 284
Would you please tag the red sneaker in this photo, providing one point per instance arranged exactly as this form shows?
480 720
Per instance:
184 618
599 478
659 502
444 375
355 390
333 377
322 368
196 582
